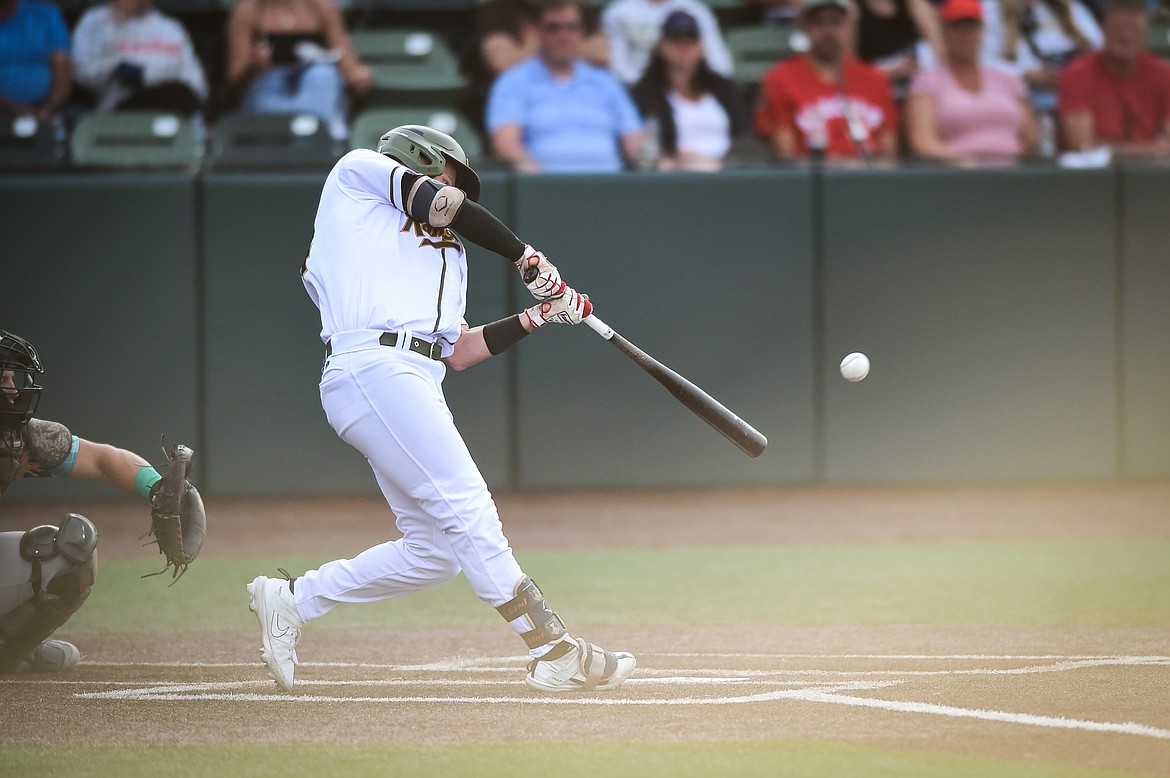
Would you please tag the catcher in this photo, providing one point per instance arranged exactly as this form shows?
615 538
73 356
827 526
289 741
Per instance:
46 573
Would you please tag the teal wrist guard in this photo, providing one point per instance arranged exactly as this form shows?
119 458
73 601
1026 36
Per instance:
146 478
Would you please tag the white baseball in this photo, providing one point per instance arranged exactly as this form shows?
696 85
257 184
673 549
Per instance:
855 366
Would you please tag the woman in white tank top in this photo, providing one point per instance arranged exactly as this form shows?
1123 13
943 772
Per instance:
692 113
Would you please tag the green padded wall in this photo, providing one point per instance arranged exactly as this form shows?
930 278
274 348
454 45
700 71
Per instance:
1016 320
710 275
985 300
1146 324
99 274
265 425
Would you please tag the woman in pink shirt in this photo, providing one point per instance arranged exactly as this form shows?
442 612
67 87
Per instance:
963 112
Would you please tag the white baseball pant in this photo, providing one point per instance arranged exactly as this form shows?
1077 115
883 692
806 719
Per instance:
388 404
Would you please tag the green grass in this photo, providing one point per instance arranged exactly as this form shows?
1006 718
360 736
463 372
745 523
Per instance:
791 757
1089 583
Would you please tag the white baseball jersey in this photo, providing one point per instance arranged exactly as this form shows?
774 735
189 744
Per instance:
373 267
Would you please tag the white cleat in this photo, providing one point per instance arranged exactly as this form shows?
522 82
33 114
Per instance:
51 656
574 665
272 601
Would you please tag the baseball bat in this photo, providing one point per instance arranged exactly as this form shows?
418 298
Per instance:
745 436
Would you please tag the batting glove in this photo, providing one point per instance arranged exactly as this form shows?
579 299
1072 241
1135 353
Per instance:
547 284
570 308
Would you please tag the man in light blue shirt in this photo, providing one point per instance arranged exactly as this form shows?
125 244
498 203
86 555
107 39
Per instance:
555 112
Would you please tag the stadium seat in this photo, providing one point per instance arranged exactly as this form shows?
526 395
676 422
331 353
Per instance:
369 127
409 65
26 144
281 141
754 50
136 139
1159 38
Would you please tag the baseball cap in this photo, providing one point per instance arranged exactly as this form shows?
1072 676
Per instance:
961 10
808 6
680 24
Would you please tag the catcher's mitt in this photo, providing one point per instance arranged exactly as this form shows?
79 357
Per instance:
177 519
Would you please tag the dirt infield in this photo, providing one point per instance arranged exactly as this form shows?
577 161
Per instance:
1044 695
1087 696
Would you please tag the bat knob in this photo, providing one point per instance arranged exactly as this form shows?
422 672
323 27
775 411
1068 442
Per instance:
530 275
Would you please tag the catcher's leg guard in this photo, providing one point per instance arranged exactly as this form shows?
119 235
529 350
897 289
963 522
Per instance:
45 577
547 626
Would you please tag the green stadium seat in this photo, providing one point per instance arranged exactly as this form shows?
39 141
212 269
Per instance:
27 144
136 139
754 50
273 141
371 124
409 65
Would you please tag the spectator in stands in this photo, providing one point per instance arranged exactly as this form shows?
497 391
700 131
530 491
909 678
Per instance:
962 111
1036 38
827 100
34 59
890 34
289 56
555 112
1119 96
130 55
633 26
507 33
692 113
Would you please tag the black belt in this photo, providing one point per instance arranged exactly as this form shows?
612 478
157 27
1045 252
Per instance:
417 345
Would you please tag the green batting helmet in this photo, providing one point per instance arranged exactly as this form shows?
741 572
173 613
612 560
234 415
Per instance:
425 149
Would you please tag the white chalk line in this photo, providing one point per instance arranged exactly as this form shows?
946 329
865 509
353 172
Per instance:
807 691
830 694
915 657
1056 722
490 665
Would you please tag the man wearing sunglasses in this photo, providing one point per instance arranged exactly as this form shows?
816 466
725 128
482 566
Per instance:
555 112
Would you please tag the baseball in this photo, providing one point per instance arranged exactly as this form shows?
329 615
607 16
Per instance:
855 366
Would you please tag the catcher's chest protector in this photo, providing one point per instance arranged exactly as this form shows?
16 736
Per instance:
45 577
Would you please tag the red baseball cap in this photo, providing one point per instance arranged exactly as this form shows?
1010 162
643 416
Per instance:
961 10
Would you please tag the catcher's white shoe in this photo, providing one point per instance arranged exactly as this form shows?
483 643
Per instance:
51 656
272 601
575 665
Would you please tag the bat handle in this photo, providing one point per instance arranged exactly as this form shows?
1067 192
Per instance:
598 326
530 275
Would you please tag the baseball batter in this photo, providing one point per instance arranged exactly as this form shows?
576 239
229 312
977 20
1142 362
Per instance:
388 271
46 573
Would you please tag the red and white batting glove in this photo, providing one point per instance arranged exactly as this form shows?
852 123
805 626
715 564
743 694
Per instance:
570 308
547 284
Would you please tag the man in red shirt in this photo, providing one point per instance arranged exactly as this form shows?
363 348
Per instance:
826 99
1119 96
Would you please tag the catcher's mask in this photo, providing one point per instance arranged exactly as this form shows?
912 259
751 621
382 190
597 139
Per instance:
426 150
19 392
